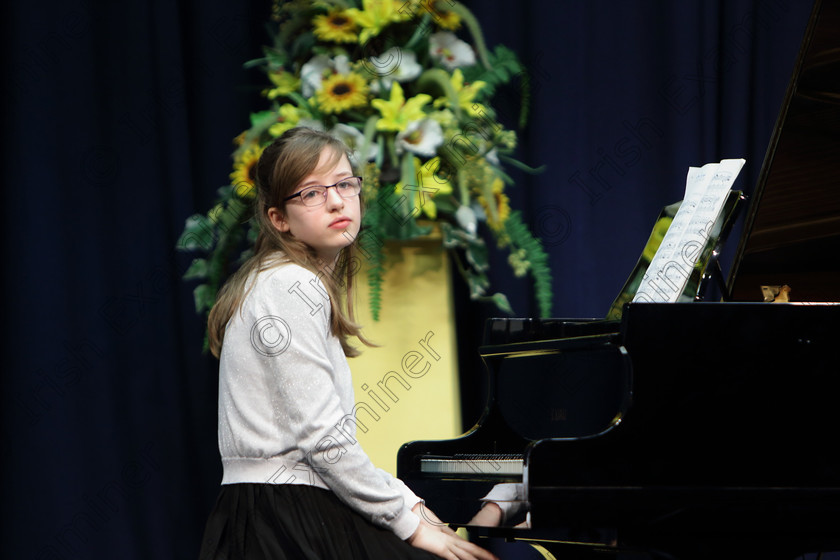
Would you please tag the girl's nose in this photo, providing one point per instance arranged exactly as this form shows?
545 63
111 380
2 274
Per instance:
334 200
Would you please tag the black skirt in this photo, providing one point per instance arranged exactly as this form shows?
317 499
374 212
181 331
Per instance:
295 522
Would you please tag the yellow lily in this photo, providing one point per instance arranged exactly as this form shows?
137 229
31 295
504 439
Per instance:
429 184
397 112
375 15
466 94
287 117
284 84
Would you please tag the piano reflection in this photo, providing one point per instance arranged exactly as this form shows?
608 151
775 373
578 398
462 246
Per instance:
693 428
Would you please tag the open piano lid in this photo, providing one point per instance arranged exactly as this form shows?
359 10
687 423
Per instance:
791 233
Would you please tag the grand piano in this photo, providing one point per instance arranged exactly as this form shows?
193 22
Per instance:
689 429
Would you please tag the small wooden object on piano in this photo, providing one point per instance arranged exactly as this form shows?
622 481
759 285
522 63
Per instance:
776 294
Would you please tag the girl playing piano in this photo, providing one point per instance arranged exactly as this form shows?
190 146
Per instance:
296 483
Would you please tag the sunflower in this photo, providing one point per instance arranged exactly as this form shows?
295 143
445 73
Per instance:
500 209
340 92
244 169
335 26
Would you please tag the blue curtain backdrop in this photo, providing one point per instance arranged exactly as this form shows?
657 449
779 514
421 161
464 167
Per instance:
118 121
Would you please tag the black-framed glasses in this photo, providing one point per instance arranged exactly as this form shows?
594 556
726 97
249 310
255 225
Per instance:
317 194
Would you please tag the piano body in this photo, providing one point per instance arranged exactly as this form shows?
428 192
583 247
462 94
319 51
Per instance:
691 429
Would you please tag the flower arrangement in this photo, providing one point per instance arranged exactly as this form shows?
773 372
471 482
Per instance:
394 80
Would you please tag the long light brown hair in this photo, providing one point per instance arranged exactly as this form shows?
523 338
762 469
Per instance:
283 165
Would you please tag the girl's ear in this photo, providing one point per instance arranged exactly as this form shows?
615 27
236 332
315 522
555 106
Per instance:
277 220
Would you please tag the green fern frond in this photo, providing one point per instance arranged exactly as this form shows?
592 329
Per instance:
217 237
522 239
373 252
375 277
504 67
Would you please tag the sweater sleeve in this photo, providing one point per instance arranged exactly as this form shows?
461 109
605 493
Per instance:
411 499
510 497
308 403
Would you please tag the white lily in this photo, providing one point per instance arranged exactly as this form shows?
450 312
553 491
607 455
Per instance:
467 219
314 124
354 140
452 52
394 64
421 137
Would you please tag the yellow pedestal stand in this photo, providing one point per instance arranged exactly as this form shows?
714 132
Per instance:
407 388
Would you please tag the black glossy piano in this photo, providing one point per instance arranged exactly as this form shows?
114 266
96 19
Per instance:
682 430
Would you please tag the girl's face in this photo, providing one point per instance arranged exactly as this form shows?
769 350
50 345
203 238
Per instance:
327 228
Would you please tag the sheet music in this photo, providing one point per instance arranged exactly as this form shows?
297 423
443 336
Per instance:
706 190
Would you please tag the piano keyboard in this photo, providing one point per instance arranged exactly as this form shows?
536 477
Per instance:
476 464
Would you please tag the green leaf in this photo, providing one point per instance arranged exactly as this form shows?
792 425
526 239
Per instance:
522 166
303 44
420 32
440 78
263 119
231 217
257 62
478 284
199 234
198 269
204 297
500 300
445 204
369 132
477 257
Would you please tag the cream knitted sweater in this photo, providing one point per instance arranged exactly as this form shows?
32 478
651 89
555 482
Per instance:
286 401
